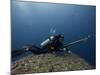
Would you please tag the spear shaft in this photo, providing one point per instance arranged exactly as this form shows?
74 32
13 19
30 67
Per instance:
78 41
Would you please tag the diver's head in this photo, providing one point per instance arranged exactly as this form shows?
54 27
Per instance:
61 37
57 37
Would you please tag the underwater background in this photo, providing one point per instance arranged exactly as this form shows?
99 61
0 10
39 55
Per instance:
33 22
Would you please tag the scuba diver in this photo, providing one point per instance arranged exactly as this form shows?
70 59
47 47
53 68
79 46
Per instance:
52 44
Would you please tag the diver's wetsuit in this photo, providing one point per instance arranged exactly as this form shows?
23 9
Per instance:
36 50
57 45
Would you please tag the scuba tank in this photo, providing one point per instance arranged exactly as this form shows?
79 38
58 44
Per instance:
47 41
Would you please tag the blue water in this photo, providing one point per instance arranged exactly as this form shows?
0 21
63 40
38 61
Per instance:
32 22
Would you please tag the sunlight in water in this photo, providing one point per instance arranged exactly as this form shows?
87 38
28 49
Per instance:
23 6
27 7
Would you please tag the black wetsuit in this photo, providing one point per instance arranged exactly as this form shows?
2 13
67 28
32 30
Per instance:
55 43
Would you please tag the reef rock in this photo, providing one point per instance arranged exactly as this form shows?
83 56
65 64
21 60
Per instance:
49 62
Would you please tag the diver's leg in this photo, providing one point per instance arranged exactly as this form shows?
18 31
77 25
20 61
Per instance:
36 50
